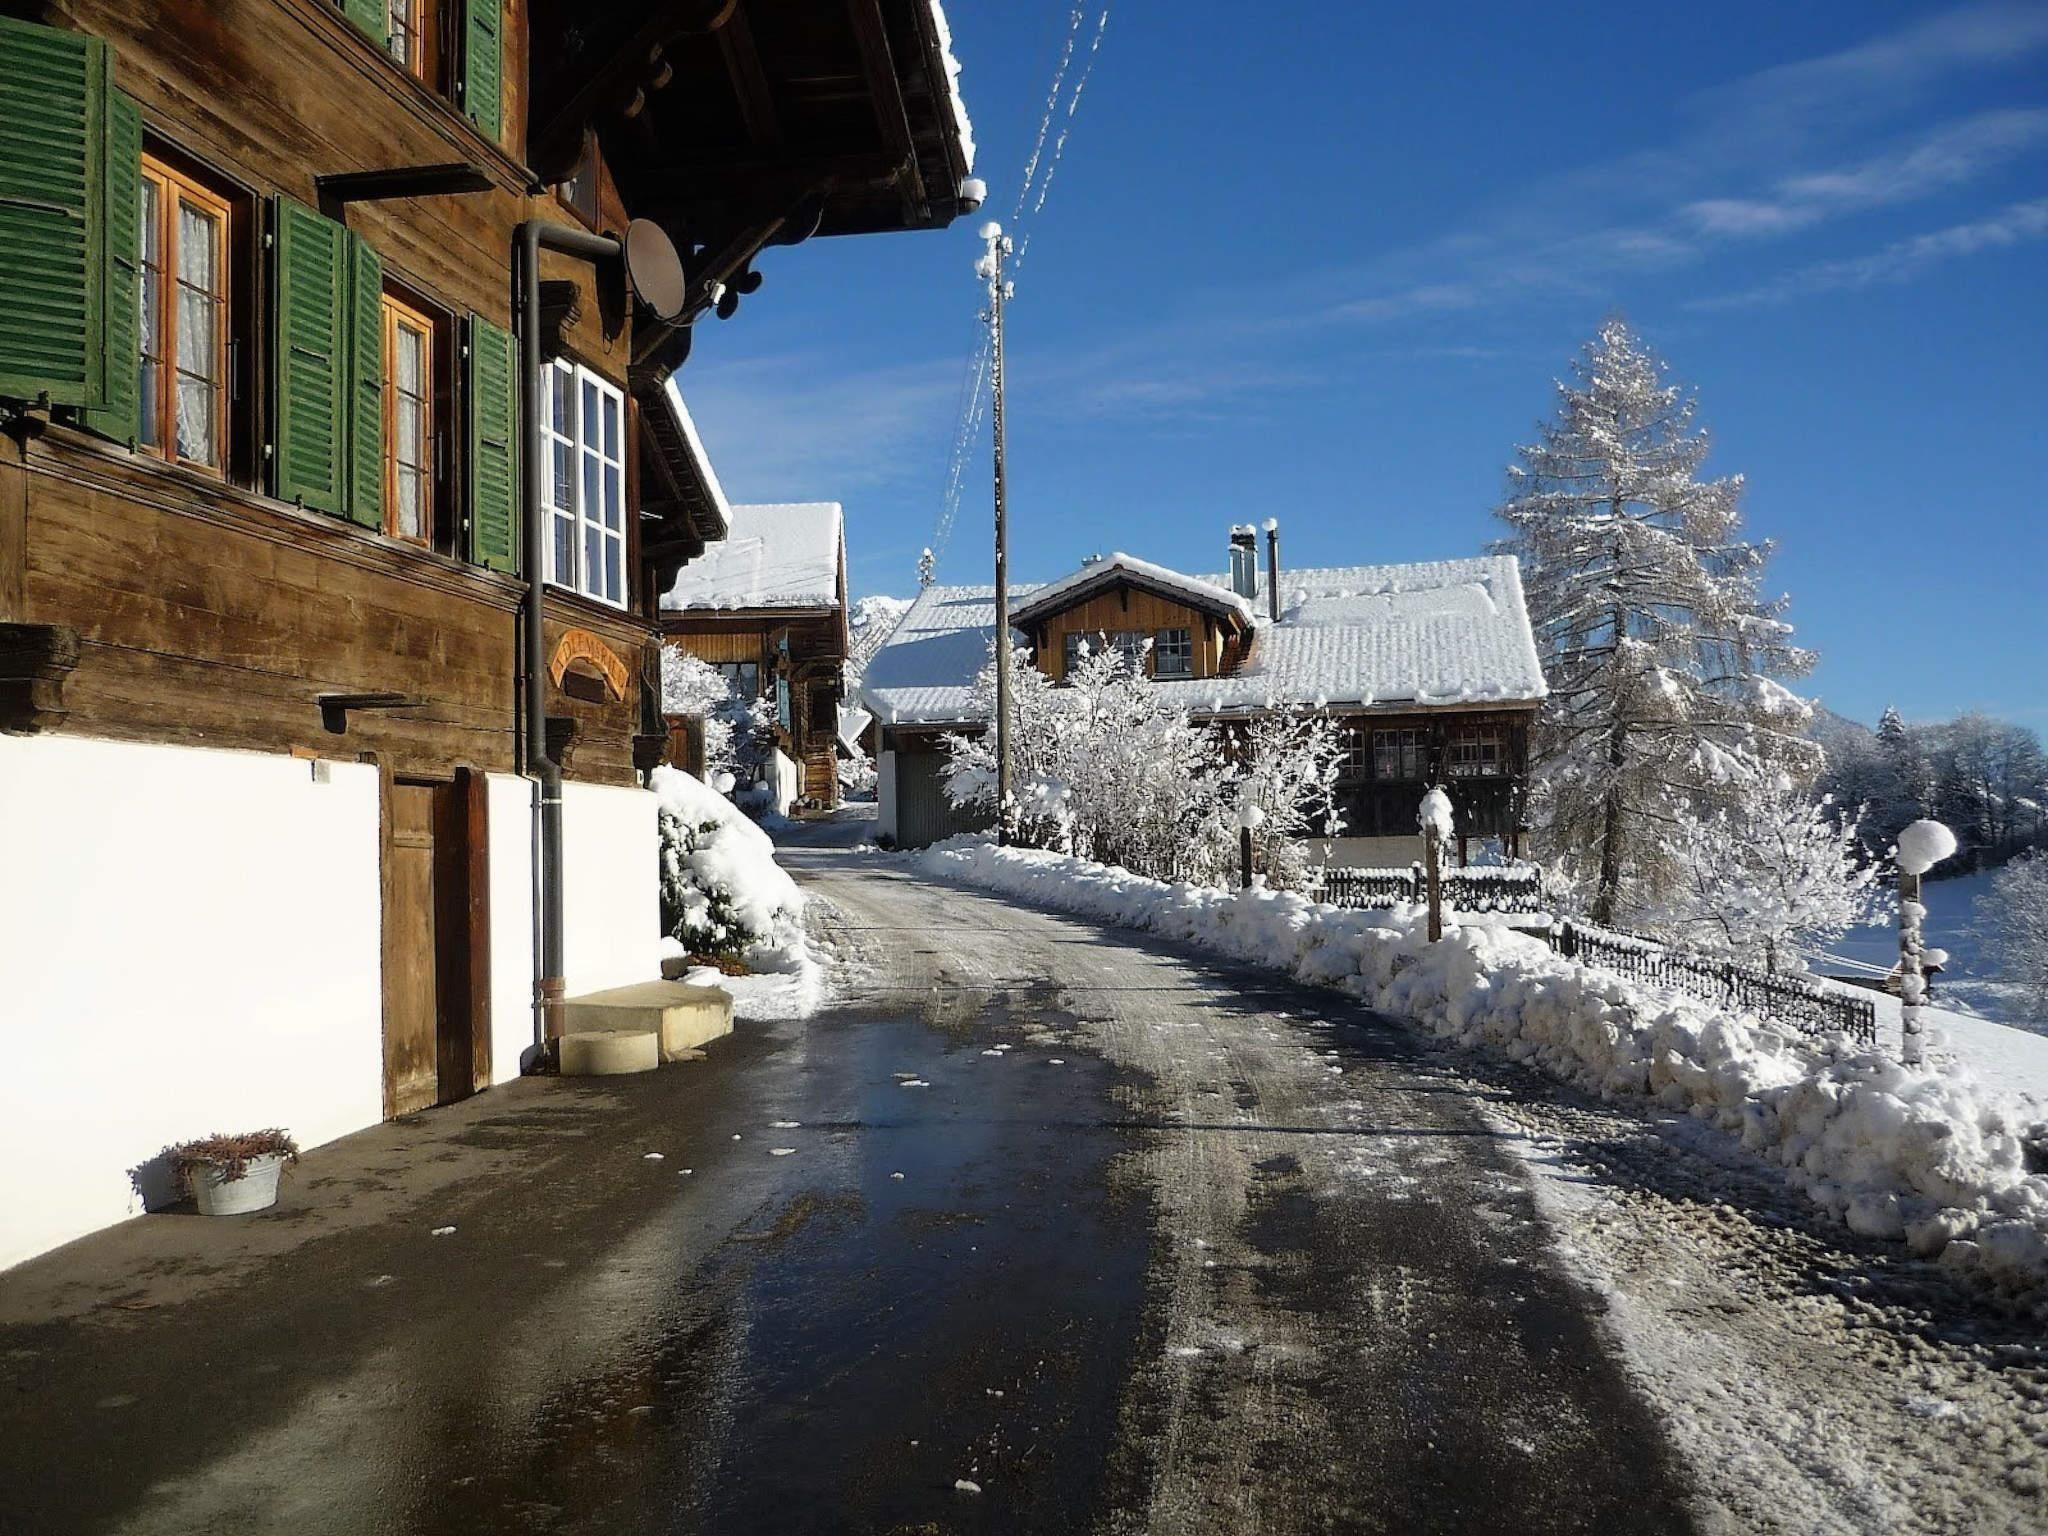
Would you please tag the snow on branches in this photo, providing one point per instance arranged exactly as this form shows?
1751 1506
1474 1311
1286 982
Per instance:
1660 650
1767 877
1110 767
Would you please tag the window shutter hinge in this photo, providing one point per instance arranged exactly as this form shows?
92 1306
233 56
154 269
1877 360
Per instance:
269 240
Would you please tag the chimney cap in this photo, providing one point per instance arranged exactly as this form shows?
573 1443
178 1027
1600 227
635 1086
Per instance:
1272 525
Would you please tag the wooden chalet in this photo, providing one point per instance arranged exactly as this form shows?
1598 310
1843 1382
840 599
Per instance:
767 607
341 470
1429 669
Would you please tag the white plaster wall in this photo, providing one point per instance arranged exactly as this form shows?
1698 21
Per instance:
885 796
188 943
785 779
611 901
1366 852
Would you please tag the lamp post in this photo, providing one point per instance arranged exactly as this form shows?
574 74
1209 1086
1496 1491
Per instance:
1250 817
990 269
1922 845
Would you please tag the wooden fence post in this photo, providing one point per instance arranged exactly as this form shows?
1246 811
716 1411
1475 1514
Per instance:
1433 858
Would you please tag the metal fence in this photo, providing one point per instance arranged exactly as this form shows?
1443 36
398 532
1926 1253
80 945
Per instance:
1518 890
1791 1000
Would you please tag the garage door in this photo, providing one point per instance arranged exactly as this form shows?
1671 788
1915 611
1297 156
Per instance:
923 814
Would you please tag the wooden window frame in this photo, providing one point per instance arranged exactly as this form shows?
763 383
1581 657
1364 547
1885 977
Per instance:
1477 738
1404 740
397 313
1185 651
423 23
174 189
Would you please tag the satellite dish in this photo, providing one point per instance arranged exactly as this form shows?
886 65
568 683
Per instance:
654 269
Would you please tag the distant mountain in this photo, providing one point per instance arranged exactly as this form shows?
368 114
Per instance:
1828 728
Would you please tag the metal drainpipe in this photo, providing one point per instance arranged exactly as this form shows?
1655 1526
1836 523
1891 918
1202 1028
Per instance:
528 240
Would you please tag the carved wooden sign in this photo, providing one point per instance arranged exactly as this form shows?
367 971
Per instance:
581 645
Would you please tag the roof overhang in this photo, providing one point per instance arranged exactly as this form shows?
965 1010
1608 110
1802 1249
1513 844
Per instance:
682 505
738 124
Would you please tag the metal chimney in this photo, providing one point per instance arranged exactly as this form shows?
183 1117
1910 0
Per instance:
1244 560
1273 567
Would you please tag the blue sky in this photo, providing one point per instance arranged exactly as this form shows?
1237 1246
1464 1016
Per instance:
1325 267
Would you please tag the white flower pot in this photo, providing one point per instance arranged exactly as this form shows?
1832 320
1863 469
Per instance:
255 1190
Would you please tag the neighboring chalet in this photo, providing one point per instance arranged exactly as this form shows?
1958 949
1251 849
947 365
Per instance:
332 520
1430 670
768 609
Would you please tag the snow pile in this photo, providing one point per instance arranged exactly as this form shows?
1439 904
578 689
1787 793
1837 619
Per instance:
1923 845
1934 1158
722 893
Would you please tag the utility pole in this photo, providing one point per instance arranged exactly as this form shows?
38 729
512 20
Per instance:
990 268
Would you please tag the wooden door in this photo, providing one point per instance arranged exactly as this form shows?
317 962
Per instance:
437 964
412 1001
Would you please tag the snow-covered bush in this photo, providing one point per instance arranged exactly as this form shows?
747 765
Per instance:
1109 766
2013 918
722 893
1930 1156
1759 881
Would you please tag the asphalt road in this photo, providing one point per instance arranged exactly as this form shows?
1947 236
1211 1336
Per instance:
1039 1229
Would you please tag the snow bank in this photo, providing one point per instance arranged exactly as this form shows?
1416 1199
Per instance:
722 891
1932 1157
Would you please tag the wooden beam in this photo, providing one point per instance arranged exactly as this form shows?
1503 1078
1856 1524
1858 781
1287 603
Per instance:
885 90
749 80
618 71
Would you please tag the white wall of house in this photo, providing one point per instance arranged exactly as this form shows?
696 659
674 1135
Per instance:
787 782
611 901
1365 852
189 943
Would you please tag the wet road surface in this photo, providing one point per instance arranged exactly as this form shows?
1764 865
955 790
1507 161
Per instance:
1127 1242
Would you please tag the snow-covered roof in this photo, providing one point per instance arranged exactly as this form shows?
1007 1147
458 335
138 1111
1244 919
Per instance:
776 555
963 130
706 475
1430 632
1435 632
1107 568
924 675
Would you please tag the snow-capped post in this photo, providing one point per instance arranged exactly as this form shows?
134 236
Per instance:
1435 817
1249 817
1922 845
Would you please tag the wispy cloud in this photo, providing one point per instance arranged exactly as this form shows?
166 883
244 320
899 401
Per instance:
1952 155
1721 182
1898 262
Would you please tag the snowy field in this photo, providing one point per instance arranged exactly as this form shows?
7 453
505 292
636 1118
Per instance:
1969 984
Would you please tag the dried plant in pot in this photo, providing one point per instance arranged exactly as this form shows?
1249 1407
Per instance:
232 1175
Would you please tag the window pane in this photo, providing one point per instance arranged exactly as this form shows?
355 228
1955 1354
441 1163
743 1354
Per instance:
412 503
611 429
613 561
592 497
593 561
196 427
614 500
558 399
562 554
411 350
564 489
590 412
198 242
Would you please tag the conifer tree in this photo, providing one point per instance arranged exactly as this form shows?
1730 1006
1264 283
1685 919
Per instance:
1661 652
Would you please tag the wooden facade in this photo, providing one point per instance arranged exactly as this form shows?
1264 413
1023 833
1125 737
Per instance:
799 657
257 591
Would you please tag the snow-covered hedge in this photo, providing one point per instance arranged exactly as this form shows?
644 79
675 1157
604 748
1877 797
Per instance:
722 893
1932 1157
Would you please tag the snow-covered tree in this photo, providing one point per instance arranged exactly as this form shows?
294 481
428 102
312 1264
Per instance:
1765 877
1108 766
2013 919
1660 649
739 733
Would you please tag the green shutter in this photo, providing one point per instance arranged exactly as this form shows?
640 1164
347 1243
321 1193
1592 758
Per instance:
373 16
483 63
492 386
366 372
54 90
120 274
310 357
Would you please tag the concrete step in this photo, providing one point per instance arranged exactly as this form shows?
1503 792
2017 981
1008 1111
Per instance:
608 1052
681 1017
